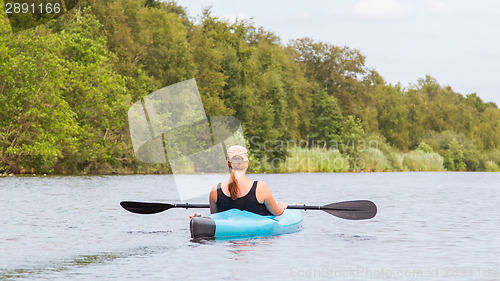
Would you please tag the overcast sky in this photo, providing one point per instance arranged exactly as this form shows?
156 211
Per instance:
455 41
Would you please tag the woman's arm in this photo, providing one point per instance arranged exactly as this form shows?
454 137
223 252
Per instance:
212 198
265 196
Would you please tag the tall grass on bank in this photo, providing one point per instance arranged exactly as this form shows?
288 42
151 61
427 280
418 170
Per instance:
491 166
373 160
376 161
314 160
397 160
419 160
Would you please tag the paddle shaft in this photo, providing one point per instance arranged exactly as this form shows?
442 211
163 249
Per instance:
189 206
303 207
306 207
352 210
204 206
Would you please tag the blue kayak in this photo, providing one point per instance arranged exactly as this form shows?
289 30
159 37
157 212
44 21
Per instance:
235 223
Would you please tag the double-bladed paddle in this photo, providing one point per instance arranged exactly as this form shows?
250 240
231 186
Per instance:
350 210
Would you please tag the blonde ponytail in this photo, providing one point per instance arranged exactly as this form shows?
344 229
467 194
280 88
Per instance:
233 185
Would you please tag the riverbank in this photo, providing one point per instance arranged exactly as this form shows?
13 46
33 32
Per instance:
323 160
313 160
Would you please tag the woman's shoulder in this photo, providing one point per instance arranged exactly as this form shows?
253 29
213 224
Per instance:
262 184
262 188
213 191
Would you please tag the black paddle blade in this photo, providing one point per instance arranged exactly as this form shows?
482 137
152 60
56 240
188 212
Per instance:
145 208
352 210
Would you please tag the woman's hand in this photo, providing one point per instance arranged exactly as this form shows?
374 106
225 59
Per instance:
283 206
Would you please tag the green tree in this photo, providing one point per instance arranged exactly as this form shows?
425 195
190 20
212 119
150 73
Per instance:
164 50
393 116
37 126
343 73
488 128
329 126
454 158
96 93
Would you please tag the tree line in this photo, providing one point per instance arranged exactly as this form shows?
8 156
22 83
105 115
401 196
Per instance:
66 86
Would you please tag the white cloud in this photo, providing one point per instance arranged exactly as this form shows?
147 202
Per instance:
383 9
437 7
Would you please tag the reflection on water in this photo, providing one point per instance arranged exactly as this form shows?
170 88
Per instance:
236 245
242 247
149 232
65 228
353 238
64 265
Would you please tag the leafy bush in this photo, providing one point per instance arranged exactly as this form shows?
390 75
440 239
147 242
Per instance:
423 146
454 157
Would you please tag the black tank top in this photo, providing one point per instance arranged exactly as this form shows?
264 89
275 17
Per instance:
246 203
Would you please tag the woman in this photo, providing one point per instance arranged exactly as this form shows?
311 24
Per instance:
239 192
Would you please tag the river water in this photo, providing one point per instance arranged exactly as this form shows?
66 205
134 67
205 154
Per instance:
430 226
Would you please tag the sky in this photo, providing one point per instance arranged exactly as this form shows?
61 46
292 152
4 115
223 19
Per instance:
455 41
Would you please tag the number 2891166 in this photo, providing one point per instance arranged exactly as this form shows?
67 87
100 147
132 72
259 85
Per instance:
25 8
